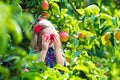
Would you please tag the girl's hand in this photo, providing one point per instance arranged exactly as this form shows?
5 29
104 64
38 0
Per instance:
45 42
56 41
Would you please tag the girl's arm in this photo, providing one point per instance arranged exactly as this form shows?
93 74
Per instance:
45 46
59 55
43 55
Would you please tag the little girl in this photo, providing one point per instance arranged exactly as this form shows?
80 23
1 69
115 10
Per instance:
46 42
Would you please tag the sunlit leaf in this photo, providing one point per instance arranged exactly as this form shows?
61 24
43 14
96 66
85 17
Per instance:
15 29
55 8
105 16
4 73
81 68
103 40
93 9
3 39
59 67
77 54
17 51
115 21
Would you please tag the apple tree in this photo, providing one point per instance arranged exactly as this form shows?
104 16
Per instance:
89 31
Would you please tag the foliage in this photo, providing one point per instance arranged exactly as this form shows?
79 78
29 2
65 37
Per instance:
91 57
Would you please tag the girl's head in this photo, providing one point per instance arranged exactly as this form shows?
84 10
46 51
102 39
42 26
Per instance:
41 28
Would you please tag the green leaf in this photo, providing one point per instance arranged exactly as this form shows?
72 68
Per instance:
59 67
88 11
11 57
55 8
115 21
3 38
81 11
24 21
76 42
77 54
4 73
54 1
81 68
91 65
112 39
117 12
5 9
63 13
17 51
103 30
105 16
92 9
92 77
97 43
15 29
103 40
76 78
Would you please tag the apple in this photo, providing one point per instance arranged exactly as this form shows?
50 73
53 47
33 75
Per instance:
45 14
45 5
80 35
47 36
52 37
63 36
107 39
108 43
117 35
68 59
107 36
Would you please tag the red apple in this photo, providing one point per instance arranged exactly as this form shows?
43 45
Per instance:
64 36
45 14
68 59
117 35
80 35
107 36
52 36
45 5
47 36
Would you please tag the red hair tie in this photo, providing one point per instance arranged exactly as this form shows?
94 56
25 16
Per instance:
38 28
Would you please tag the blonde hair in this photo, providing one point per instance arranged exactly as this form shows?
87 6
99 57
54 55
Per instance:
45 23
36 42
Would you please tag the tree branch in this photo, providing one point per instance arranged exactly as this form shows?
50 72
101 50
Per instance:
73 7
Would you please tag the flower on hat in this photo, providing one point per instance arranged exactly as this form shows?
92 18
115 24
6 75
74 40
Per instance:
38 28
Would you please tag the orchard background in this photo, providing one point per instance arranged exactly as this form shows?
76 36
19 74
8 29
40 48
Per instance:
92 49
